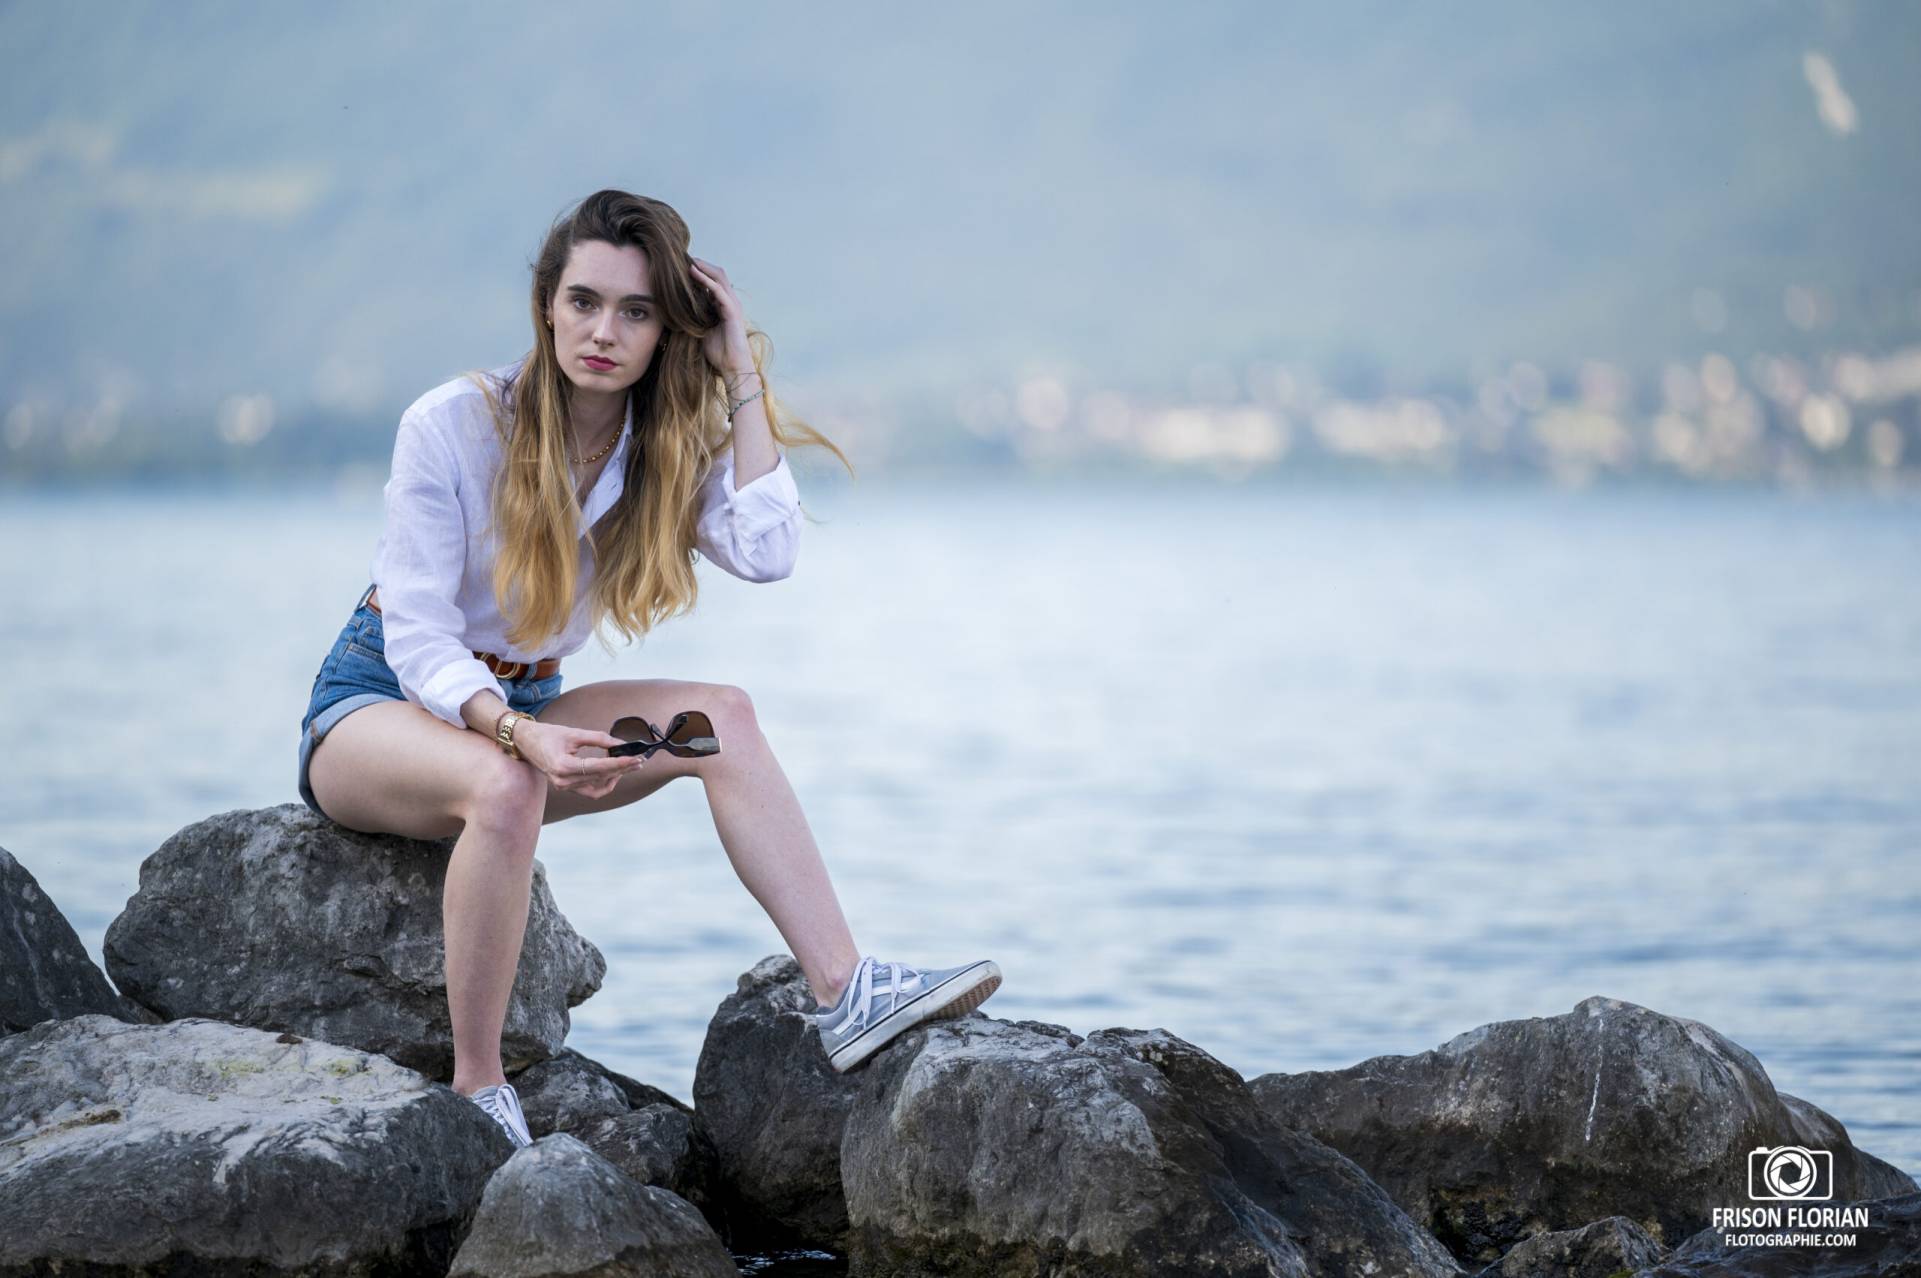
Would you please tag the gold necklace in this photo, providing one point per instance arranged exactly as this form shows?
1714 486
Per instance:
612 440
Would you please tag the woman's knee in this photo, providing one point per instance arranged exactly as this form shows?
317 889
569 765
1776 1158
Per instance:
732 711
505 793
729 707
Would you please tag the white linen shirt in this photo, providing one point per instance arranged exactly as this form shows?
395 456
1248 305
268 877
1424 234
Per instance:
433 564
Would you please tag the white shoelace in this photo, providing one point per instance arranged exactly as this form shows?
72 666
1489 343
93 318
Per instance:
900 979
504 1105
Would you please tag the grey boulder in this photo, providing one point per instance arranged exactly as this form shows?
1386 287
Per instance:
283 920
1601 1250
45 972
1523 1127
772 1109
980 1147
638 1128
569 1091
204 1148
557 1208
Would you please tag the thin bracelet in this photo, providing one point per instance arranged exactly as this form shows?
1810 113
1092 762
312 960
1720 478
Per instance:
744 403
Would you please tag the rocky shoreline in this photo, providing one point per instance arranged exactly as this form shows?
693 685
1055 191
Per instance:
265 1093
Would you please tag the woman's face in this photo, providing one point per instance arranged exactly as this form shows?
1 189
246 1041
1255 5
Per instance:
604 311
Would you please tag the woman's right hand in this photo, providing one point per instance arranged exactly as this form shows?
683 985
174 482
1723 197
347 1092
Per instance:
574 759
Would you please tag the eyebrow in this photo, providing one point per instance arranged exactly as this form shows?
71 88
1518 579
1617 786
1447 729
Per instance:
584 291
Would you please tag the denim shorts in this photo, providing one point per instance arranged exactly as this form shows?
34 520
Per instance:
356 674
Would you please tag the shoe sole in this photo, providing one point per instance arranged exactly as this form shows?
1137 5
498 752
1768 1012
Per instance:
964 992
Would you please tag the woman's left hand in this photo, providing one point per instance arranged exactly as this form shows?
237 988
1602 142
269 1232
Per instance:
725 345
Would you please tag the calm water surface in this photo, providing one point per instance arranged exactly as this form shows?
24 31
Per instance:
1303 777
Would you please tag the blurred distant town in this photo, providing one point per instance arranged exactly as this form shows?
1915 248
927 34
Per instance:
1838 419
1765 420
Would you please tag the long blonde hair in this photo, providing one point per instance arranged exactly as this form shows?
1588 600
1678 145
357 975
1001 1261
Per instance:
643 547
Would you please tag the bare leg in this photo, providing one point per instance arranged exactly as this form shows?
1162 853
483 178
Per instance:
484 905
756 813
395 768
766 836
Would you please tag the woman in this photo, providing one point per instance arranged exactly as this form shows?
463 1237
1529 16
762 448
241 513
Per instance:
526 506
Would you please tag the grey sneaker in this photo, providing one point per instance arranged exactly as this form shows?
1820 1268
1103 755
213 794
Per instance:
502 1104
884 1000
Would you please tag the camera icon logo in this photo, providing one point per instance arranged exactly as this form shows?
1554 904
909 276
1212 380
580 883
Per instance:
1790 1172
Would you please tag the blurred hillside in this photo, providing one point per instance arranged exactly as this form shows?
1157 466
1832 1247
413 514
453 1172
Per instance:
1506 236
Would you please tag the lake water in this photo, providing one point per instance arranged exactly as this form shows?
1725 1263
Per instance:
1302 776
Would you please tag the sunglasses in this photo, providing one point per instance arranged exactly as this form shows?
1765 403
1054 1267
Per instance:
690 736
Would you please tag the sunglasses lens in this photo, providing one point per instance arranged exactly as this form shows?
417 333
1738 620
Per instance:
686 726
634 728
693 733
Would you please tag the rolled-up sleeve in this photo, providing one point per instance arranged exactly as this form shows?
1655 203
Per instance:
423 548
753 533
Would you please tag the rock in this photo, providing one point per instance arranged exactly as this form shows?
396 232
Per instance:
642 1130
1522 1127
772 1109
1600 1250
980 1147
45 972
659 1145
1815 1128
557 1208
283 920
1888 1245
569 1091
204 1148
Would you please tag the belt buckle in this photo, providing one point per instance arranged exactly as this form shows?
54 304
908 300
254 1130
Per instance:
505 669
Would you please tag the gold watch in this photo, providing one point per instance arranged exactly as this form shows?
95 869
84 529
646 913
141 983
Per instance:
504 731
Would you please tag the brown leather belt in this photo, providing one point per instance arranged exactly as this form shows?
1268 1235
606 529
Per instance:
545 668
